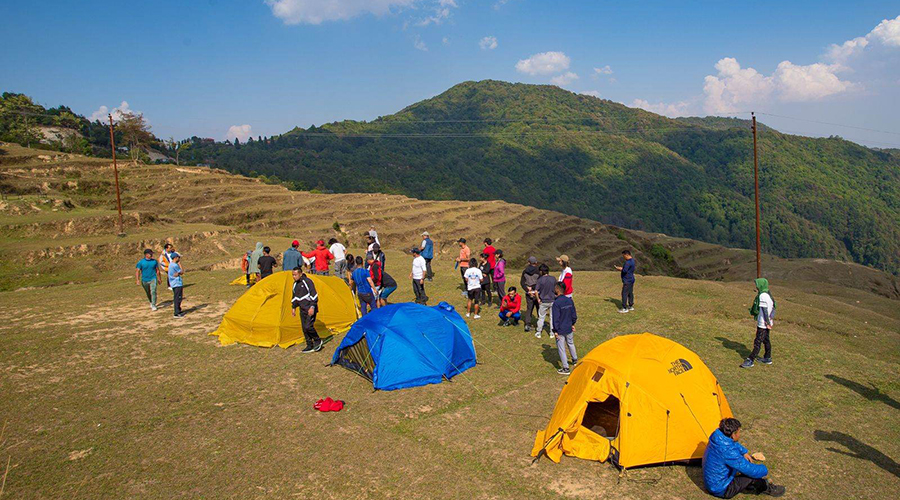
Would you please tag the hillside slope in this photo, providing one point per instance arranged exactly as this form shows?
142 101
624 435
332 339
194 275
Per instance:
58 225
549 148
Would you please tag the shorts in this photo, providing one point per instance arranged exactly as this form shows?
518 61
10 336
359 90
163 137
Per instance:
475 294
386 292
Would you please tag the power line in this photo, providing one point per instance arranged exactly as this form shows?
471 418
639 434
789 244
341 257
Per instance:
832 124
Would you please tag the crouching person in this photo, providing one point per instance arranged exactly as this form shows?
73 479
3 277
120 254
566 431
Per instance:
728 468
306 300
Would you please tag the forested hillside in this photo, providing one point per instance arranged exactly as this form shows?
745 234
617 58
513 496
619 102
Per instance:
550 148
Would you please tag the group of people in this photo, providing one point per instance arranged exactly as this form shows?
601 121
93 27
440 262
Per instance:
149 273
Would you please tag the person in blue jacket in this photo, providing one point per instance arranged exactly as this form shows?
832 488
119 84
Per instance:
427 254
562 323
627 270
728 468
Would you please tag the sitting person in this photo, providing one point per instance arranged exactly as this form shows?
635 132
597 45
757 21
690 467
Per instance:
728 468
510 308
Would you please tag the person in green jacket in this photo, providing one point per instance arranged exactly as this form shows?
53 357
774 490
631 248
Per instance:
763 310
254 260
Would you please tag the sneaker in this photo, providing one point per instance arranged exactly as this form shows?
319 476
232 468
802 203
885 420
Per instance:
468 315
748 363
309 348
477 316
774 490
502 323
623 310
537 334
631 308
563 371
153 308
765 361
574 362
319 346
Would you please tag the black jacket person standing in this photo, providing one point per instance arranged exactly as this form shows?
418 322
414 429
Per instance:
307 300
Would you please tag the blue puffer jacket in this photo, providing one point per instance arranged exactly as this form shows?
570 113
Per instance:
723 459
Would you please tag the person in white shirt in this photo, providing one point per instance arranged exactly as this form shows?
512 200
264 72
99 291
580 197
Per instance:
419 268
763 310
374 234
340 258
473 277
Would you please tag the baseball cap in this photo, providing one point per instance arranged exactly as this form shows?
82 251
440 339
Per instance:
563 257
320 242
295 243
425 233
461 240
532 260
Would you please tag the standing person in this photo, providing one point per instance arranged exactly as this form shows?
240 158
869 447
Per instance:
374 234
254 259
500 276
529 283
291 257
728 467
627 270
418 277
266 263
165 258
365 286
427 254
245 266
175 279
491 252
565 276
545 297
473 279
510 308
306 299
370 243
323 258
763 309
388 286
465 255
147 275
340 258
379 255
487 272
351 265
563 327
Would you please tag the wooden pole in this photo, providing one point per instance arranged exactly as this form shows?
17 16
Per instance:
112 142
756 185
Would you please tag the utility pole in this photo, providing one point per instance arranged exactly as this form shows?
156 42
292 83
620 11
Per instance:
112 142
756 183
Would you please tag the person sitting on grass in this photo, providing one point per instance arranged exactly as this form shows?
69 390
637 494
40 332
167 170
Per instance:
473 277
563 326
728 467
510 308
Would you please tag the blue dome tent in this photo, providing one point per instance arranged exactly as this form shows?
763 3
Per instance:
407 345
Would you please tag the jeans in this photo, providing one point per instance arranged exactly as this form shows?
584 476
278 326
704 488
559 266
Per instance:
762 339
563 341
500 287
366 303
340 269
544 309
308 322
419 291
486 293
428 273
177 295
505 315
744 484
627 295
530 303
150 289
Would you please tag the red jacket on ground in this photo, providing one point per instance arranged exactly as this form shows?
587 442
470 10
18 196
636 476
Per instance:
323 257
513 306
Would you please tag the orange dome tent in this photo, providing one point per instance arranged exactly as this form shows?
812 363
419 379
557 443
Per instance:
635 400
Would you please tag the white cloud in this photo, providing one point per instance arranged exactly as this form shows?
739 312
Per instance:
419 44
592 93
445 40
680 108
103 112
564 79
319 11
808 83
441 13
545 63
606 70
886 33
500 3
241 132
847 49
488 43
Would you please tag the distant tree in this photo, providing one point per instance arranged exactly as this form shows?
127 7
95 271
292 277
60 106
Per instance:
19 119
176 148
71 136
136 133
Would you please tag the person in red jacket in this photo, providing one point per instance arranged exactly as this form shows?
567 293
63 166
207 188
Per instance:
565 277
491 253
510 308
323 258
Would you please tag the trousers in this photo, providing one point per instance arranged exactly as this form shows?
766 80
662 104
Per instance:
762 339
562 342
544 309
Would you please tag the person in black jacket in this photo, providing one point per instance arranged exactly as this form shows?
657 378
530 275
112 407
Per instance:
529 287
563 326
307 300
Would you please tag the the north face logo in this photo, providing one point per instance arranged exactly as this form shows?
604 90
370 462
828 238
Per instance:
679 366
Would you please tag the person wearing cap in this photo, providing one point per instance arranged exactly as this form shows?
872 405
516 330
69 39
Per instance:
529 287
147 274
291 257
565 276
374 234
427 254
465 254
176 282
378 254
323 257
419 268
340 258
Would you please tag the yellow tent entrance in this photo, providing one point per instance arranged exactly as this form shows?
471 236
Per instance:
636 400
262 315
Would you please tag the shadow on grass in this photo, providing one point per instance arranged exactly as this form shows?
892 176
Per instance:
615 302
694 472
195 308
858 449
871 393
737 347
551 355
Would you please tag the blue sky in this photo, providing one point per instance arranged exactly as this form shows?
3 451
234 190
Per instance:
202 67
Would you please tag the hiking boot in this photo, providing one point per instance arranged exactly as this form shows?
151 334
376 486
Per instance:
774 490
623 310
309 348
765 361
748 363
563 371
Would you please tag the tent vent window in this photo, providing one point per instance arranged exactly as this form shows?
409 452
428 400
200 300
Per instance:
603 417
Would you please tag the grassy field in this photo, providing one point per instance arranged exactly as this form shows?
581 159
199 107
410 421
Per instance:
105 399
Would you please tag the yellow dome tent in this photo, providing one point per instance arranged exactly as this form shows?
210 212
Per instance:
242 280
635 400
262 315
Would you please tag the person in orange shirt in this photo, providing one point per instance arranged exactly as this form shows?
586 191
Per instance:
465 253
323 258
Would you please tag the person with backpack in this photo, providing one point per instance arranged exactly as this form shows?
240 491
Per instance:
379 255
291 257
306 300
728 467
563 326
545 294
627 270
763 310
510 308
323 257
500 276
528 283
365 286
427 254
